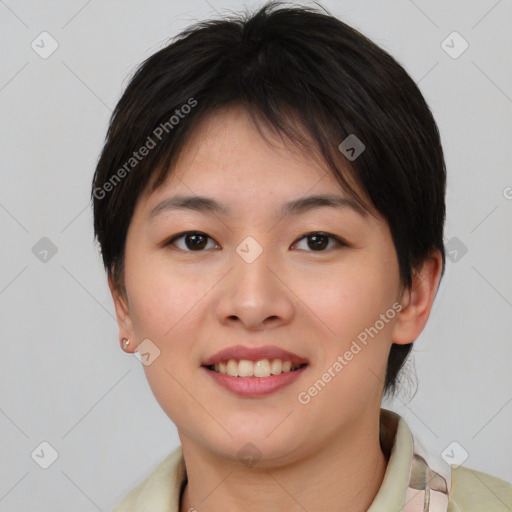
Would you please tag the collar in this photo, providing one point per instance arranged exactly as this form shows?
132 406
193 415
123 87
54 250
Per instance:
410 484
413 481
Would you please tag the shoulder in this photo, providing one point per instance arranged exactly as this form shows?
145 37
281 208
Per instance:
158 491
473 491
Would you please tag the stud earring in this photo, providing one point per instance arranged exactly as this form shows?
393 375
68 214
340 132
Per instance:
125 343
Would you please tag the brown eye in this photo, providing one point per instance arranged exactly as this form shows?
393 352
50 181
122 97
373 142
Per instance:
318 241
195 241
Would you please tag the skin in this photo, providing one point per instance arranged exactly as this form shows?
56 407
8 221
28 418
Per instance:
191 303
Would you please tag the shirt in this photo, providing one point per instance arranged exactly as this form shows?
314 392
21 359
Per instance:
469 490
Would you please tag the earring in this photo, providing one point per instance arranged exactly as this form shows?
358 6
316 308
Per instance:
125 343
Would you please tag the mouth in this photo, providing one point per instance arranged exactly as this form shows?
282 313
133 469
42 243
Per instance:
253 372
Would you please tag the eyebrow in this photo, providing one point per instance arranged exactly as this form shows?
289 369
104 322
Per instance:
299 206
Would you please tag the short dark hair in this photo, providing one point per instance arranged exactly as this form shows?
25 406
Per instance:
312 78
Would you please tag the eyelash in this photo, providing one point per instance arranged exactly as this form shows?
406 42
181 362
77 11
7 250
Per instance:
340 243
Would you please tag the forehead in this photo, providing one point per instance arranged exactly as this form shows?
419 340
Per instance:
228 144
227 159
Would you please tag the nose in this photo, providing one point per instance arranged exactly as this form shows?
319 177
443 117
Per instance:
255 294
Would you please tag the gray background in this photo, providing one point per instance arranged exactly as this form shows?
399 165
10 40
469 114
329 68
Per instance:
64 378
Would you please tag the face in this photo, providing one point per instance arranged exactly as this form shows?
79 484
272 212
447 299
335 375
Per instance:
309 281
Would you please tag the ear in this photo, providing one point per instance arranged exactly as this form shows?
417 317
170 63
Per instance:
417 301
124 320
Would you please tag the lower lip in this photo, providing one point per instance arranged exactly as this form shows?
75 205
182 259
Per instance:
254 387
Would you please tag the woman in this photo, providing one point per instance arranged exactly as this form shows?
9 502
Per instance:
270 208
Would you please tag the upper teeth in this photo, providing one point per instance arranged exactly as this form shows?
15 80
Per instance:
262 368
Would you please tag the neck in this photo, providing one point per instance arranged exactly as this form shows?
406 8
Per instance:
346 471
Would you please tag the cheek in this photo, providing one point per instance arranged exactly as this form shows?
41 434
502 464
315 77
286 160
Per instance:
351 304
351 299
160 297
164 308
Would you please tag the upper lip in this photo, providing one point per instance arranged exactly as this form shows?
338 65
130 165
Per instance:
239 352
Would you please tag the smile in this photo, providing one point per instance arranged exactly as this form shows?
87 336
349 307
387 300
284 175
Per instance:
259 369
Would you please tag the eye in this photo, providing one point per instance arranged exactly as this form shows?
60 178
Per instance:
320 240
194 241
